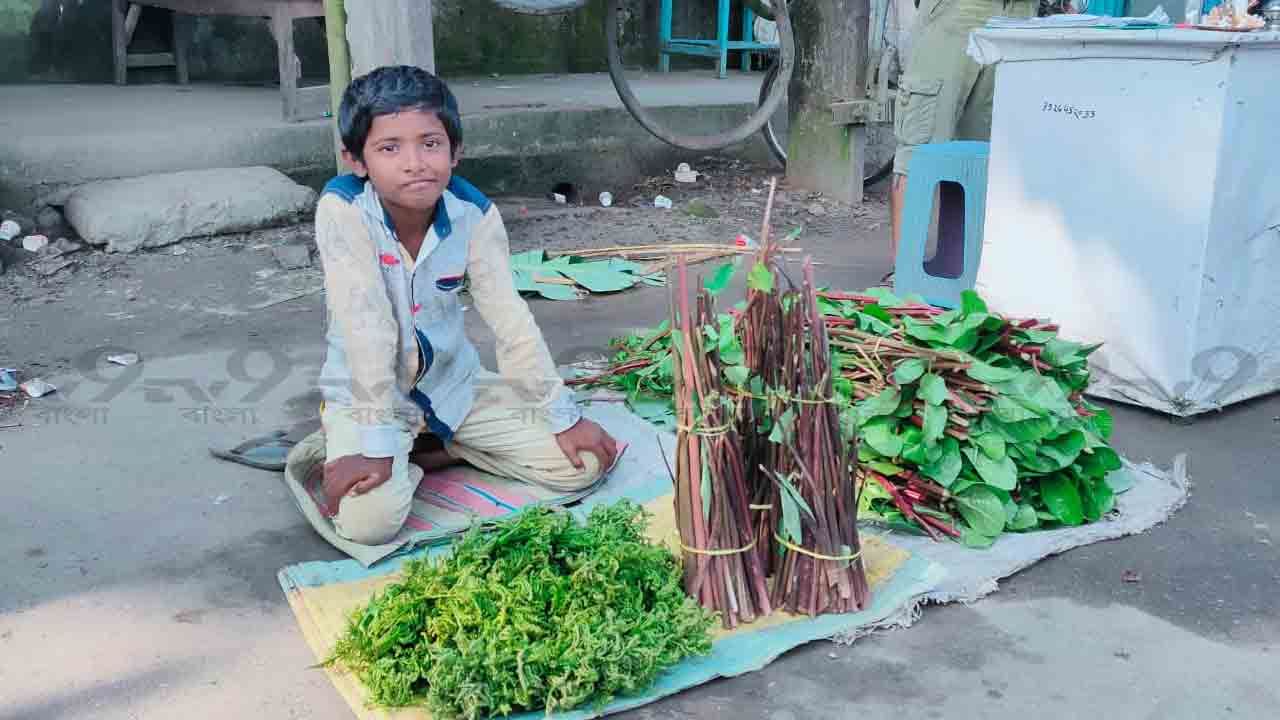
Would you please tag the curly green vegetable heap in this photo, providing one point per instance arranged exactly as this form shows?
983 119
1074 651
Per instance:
540 613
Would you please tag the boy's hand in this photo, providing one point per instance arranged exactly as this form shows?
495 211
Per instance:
586 436
352 475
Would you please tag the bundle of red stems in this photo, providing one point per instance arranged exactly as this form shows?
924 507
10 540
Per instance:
759 329
821 571
722 570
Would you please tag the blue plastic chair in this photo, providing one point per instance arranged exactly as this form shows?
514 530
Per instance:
718 48
1106 8
956 173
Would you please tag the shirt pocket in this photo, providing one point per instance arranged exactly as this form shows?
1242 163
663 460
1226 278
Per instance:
916 110
449 283
437 295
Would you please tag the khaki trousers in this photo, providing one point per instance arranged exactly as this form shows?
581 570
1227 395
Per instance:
943 94
504 435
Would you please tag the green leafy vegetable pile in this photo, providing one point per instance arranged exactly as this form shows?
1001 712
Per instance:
972 424
541 612
969 424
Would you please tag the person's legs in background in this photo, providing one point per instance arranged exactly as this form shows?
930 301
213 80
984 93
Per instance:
943 94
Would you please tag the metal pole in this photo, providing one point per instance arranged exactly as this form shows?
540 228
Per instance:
335 21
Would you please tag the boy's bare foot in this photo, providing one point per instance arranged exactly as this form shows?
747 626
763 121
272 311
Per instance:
429 454
430 460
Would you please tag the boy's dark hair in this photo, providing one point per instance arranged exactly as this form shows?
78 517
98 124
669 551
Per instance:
389 90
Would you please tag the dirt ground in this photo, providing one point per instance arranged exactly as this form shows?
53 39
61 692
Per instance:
222 290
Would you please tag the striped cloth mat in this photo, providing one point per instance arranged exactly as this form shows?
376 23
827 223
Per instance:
446 503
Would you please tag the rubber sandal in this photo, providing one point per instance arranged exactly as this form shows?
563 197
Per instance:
268 452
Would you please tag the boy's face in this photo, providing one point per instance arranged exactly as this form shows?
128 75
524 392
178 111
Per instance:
408 158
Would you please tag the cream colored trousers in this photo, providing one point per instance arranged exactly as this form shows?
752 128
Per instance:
504 435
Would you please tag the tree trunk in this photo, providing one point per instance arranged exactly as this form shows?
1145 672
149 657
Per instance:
390 32
831 49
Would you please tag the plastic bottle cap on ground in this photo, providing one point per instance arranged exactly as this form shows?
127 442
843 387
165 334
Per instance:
685 174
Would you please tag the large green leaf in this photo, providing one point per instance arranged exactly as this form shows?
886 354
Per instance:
720 280
915 453
760 278
881 436
971 538
655 410
736 375
793 504
927 333
1031 462
933 389
529 259
908 371
1097 499
731 352
781 432
883 404
975 321
998 473
981 509
884 297
971 302
1010 411
960 337
1006 501
552 291
791 527
990 374
1038 337
877 312
1040 394
599 277
704 491
1060 353
1103 421
991 444
885 468
935 423
1063 450
945 319
1062 498
947 467
1024 519
907 404
533 272
1027 431
872 323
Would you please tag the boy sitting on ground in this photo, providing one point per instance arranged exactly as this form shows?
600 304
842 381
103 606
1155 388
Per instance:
404 390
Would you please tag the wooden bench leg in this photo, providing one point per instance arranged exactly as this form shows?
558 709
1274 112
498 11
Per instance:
722 39
119 42
290 67
183 25
664 36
